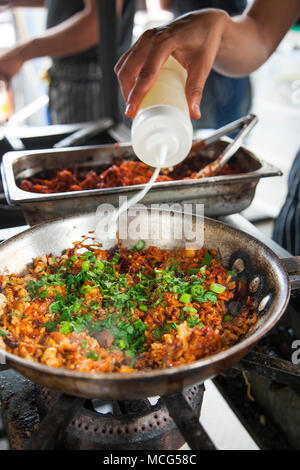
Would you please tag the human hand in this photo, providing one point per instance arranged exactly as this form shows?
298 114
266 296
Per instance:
193 39
10 64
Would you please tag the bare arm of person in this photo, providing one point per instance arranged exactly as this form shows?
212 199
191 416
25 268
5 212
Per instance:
165 4
203 40
254 36
22 3
76 34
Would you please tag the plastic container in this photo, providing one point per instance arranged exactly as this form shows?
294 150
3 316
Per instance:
162 131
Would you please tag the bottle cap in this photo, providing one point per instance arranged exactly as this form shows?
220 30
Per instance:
161 126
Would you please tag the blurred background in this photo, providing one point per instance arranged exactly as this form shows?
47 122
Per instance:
275 97
272 93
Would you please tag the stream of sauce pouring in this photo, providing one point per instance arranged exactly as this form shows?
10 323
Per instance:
111 239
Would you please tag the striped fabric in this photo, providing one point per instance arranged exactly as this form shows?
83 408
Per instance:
287 225
75 92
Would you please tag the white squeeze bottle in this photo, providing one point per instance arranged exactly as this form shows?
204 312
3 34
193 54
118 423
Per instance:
162 132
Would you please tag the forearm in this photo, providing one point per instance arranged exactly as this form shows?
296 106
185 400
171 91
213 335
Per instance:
201 40
74 35
165 4
249 39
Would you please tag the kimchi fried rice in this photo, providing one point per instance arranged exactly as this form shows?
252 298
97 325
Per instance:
121 310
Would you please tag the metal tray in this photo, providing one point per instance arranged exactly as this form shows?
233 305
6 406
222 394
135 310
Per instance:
221 195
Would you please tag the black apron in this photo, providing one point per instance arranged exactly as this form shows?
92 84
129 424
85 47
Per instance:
233 7
287 225
75 91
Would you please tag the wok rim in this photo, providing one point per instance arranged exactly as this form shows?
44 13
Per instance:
239 349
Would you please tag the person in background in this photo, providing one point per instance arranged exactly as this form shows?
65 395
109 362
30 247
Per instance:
75 76
224 99
235 47
71 40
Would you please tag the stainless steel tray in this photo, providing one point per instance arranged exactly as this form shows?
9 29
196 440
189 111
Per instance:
221 195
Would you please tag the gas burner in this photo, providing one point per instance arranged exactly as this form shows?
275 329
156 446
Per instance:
132 424
38 418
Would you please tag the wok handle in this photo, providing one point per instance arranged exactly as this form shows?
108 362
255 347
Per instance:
292 266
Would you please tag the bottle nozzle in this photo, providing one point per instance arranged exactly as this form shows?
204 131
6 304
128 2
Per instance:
162 144
161 125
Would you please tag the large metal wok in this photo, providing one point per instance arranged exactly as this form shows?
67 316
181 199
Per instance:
261 275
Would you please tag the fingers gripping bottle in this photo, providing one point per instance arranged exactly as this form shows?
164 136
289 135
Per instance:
162 131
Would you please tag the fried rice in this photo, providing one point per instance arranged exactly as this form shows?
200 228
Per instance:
122 310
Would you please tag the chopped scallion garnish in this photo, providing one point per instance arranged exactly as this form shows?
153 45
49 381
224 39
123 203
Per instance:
217 288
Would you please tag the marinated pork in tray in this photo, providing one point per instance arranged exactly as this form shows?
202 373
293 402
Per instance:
120 173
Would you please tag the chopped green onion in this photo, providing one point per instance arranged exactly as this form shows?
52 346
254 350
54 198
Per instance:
99 266
189 309
94 304
207 259
193 320
3 333
76 306
55 307
85 266
172 326
43 294
86 289
89 255
116 258
132 362
122 344
227 318
130 329
130 354
210 296
15 314
50 326
92 355
159 332
158 300
158 273
194 270
66 328
185 298
217 288
197 291
144 308
139 246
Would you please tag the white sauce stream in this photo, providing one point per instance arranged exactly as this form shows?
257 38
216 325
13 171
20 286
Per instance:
113 223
